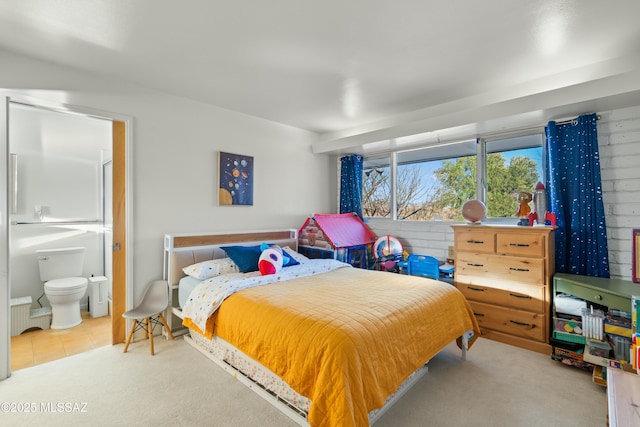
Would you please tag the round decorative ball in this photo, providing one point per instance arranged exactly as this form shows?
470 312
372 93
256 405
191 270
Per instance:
474 211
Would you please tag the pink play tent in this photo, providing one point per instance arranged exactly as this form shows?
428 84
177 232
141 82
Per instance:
344 237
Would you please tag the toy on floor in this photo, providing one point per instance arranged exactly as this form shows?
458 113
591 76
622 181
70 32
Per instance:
388 251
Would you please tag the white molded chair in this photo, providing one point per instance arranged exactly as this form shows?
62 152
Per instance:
148 313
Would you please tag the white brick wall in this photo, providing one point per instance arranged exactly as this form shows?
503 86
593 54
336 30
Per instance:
421 237
619 141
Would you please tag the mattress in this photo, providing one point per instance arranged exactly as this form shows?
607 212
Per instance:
185 286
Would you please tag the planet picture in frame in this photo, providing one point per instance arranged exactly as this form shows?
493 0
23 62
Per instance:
235 179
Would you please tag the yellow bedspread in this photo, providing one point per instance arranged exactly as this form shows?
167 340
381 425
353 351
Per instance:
345 339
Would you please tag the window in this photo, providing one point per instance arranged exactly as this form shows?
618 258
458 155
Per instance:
432 183
513 165
376 188
425 176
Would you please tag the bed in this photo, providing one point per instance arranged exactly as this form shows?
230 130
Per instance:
326 343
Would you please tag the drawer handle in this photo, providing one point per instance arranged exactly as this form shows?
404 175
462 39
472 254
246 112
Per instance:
599 297
478 314
475 265
519 245
518 269
476 242
475 289
520 296
520 323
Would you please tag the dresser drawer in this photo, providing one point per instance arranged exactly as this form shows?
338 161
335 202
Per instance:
514 322
532 245
515 295
475 241
496 270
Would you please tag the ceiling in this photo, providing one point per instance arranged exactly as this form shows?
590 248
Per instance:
345 68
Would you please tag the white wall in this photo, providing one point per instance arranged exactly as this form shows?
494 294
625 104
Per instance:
59 166
619 142
175 142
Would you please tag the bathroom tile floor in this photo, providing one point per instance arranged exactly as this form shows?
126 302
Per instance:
40 346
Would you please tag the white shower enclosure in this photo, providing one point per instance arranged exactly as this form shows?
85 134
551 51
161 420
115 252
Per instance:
57 193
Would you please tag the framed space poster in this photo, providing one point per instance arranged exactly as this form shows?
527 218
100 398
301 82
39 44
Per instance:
235 179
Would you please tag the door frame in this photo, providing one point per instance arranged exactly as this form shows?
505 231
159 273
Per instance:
124 131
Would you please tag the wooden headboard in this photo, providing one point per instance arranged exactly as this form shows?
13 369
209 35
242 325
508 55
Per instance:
182 250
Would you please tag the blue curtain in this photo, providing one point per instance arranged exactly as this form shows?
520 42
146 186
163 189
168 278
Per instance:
351 184
575 195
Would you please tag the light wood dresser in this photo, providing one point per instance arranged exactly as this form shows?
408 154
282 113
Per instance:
506 273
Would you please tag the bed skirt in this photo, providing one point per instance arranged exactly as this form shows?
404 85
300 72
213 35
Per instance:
282 396
257 373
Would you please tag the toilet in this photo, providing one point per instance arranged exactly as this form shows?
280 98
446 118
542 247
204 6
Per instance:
61 269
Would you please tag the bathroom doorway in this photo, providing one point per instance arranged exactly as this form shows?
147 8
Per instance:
60 217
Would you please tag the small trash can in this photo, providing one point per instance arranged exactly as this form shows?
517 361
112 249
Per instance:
98 300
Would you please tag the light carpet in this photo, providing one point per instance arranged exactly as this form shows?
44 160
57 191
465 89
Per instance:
498 385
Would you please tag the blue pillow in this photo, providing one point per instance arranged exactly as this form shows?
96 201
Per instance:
290 260
245 257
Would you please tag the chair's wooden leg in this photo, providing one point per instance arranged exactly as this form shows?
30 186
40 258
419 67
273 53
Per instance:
150 328
166 327
133 326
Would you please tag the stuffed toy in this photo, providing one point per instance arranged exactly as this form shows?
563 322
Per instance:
270 261
523 204
524 209
285 258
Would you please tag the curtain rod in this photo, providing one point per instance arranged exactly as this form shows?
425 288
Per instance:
567 121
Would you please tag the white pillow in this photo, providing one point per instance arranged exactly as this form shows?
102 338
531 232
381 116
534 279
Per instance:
295 255
214 267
